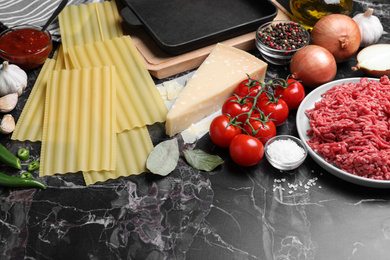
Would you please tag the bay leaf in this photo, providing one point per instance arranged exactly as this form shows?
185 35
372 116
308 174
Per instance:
201 160
164 157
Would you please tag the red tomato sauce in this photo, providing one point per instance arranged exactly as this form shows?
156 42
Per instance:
24 41
26 47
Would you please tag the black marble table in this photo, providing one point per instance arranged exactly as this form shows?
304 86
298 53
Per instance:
232 212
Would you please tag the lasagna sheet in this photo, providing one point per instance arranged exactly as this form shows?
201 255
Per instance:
133 149
79 122
139 102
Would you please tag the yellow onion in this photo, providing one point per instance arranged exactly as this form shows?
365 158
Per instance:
313 65
339 34
374 60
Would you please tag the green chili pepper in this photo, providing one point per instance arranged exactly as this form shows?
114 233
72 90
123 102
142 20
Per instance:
32 166
10 181
23 154
8 158
26 175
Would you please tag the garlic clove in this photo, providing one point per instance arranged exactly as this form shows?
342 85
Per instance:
7 124
12 79
8 102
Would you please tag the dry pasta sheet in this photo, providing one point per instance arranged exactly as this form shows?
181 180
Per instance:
133 149
91 110
139 102
60 59
79 121
30 123
86 24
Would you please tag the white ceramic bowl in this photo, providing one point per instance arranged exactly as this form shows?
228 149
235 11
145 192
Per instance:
282 163
303 125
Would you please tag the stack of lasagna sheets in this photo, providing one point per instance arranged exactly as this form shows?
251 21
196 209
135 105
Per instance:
92 100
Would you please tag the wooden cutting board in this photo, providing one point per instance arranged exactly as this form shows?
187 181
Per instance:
162 65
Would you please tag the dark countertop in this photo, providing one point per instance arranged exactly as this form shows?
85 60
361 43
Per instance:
230 213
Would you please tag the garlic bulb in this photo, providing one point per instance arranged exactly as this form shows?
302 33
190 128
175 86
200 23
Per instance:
12 79
370 27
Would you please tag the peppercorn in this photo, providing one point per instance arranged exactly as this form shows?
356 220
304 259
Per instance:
284 36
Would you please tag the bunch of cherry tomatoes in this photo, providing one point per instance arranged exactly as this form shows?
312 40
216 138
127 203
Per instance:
250 117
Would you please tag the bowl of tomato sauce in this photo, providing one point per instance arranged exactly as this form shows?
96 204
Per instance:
26 46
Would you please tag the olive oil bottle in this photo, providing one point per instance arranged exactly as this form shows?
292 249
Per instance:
308 12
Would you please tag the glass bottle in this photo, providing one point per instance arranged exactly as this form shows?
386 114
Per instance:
308 12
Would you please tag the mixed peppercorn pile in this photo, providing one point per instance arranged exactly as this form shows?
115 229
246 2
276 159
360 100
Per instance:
284 36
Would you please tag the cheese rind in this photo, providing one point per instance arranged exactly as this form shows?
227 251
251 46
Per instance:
211 85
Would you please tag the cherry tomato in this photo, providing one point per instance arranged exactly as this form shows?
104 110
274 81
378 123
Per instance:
221 133
274 108
248 87
246 150
235 106
264 129
293 93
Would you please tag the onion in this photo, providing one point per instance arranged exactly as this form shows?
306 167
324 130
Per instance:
313 65
339 34
374 60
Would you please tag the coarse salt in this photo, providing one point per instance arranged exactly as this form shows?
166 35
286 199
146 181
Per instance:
285 151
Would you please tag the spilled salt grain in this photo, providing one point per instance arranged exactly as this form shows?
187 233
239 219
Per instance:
286 151
295 187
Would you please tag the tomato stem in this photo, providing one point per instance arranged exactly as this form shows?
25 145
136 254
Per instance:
243 100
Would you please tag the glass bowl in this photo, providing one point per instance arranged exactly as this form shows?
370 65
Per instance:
285 152
26 46
279 40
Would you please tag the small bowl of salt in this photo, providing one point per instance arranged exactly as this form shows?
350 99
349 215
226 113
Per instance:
285 152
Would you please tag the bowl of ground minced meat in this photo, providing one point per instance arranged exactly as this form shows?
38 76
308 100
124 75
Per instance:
345 125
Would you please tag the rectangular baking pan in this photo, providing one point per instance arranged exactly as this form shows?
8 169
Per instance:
180 26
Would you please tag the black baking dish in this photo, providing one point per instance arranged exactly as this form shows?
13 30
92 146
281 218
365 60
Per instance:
180 26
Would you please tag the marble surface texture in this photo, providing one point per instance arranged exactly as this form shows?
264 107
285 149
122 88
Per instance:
230 213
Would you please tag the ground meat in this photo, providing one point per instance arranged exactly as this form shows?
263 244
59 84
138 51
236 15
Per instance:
350 127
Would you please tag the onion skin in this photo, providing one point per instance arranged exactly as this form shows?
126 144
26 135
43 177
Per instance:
375 73
339 34
313 65
372 73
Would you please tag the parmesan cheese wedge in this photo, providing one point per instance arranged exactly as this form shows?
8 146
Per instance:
211 85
